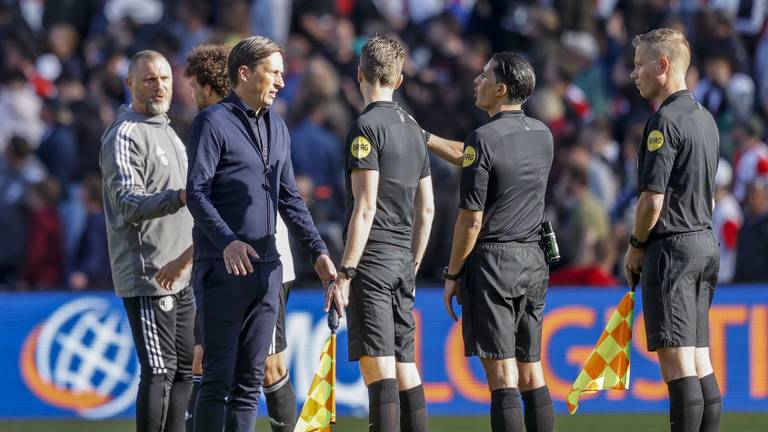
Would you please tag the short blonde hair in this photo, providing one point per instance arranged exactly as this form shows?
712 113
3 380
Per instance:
381 60
668 43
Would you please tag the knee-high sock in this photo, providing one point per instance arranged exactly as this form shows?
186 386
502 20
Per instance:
686 404
413 410
384 408
506 410
539 415
281 405
710 420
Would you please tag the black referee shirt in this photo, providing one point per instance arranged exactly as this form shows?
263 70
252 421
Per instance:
678 157
505 171
387 139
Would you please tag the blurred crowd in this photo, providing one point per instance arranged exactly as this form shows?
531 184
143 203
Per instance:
63 65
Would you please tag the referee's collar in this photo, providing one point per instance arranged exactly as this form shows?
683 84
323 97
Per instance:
507 113
675 96
372 105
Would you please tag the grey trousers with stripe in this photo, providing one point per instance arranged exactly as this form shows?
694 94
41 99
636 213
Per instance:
162 328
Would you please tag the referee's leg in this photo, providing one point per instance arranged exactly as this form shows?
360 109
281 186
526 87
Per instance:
506 408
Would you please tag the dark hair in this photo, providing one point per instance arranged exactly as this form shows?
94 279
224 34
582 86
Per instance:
208 64
249 52
516 73
381 60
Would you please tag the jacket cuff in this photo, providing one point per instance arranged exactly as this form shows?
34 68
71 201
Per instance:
317 252
224 240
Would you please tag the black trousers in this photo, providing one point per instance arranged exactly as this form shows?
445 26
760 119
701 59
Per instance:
238 322
162 328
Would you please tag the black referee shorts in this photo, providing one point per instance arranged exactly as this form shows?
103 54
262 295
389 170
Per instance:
503 290
678 279
380 313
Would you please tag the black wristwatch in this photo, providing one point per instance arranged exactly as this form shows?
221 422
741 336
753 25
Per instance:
448 276
635 242
348 272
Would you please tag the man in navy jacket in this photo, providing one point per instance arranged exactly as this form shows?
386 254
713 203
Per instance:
240 175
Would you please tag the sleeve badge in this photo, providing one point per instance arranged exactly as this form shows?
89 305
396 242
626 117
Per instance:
655 140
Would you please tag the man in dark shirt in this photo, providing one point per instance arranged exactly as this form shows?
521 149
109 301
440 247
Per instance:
389 216
672 246
240 174
496 253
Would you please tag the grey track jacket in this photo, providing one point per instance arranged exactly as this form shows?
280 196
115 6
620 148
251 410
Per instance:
144 166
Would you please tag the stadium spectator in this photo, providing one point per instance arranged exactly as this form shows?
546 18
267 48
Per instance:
726 221
44 259
752 249
91 269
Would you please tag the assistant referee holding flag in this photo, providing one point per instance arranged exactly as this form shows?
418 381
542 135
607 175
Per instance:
389 216
672 246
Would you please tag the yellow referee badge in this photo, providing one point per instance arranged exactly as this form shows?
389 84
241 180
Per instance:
470 156
655 140
360 147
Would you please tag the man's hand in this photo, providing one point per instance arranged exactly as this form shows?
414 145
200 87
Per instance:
183 196
633 264
450 290
237 258
325 269
170 273
338 294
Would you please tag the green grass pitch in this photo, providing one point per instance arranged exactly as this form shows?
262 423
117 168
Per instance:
741 422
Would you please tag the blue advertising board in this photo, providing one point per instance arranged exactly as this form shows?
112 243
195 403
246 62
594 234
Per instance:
71 355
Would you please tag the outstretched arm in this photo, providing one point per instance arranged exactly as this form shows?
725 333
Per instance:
451 151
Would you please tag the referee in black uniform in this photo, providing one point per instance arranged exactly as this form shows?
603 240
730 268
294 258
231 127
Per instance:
498 271
672 246
389 216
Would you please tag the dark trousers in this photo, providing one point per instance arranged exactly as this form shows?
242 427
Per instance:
240 315
162 331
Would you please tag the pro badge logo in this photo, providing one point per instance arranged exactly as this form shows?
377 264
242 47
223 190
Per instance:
470 155
166 303
361 147
81 358
655 140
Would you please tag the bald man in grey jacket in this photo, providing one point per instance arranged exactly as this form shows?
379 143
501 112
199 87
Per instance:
144 165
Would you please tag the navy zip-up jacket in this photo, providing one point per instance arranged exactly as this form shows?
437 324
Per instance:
232 194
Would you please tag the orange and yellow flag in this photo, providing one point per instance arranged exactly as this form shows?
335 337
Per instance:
319 411
608 365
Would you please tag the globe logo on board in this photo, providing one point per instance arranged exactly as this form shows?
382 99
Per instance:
81 358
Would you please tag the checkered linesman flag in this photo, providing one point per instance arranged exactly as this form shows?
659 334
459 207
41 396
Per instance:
608 364
319 411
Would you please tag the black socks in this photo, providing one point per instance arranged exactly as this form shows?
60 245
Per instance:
281 405
413 410
710 420
384 408
539 415
506 410
686 404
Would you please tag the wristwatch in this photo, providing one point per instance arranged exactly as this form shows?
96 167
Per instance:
635 242
448 276
348 272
